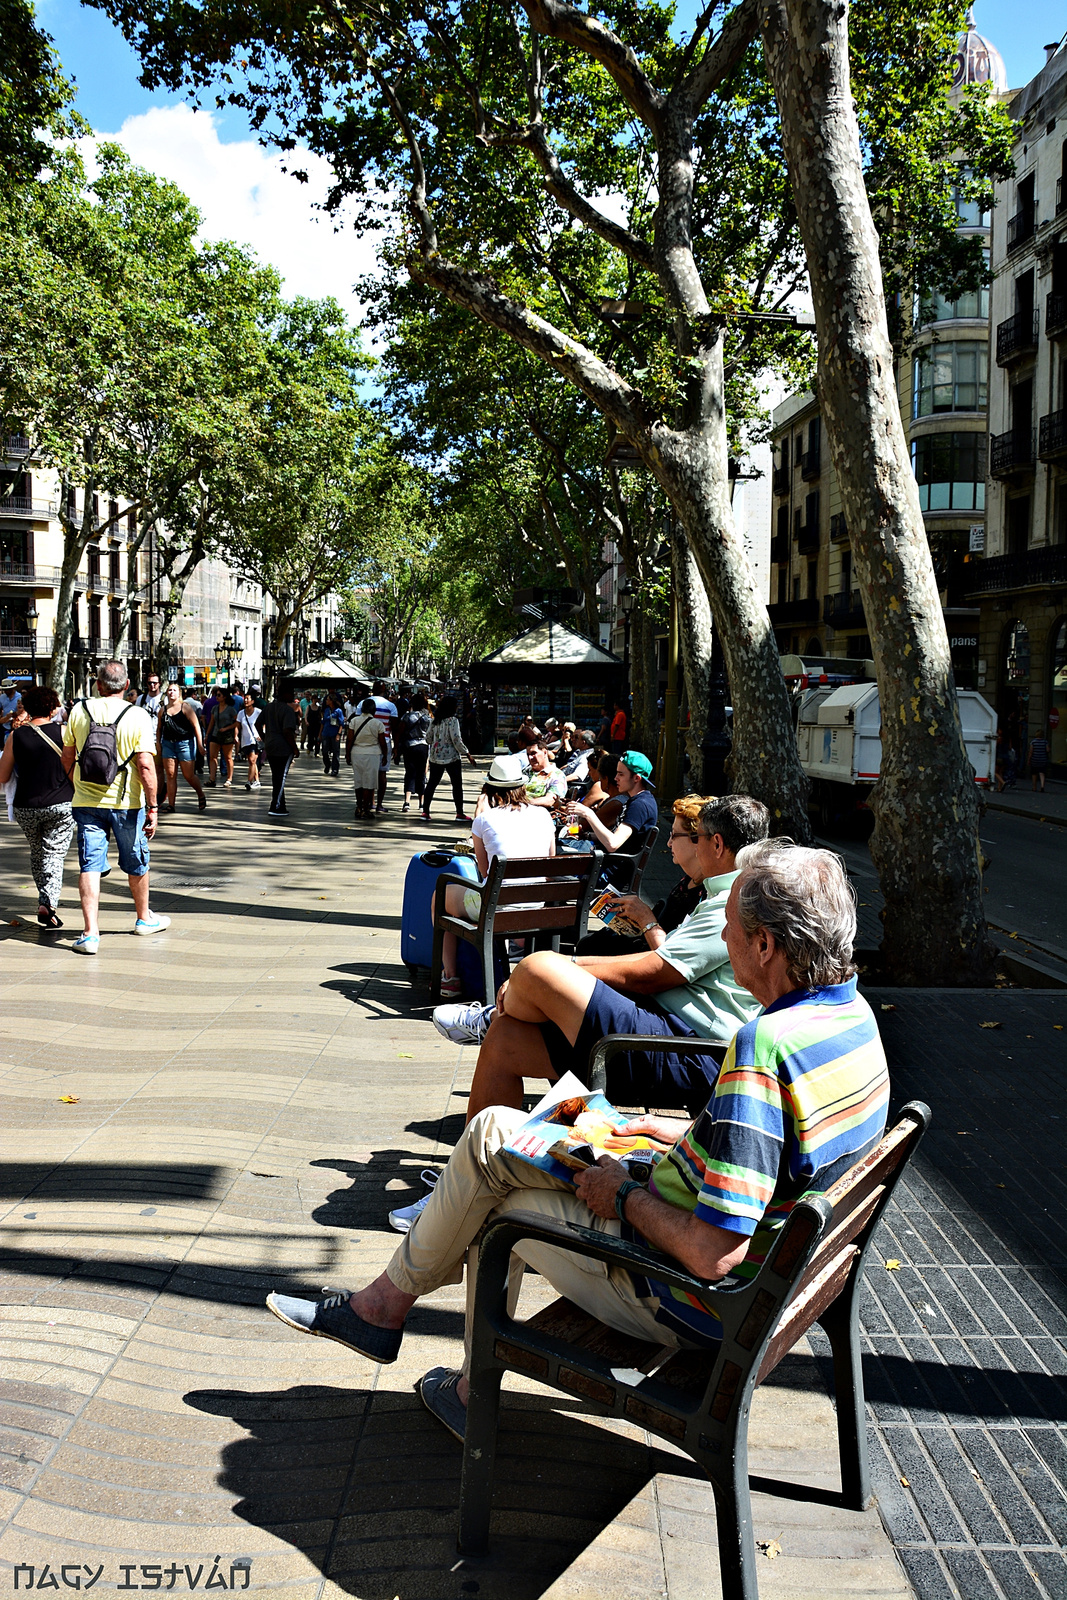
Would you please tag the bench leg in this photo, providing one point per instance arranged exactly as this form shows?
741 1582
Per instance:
437 963
841 1326
479 1456
733 1516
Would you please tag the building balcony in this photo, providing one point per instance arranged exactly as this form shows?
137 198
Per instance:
1016 337
1024 569
1021 228
1056 315
838 528
18 505
22 644
800 612
808 539
16 444
24 572
1061 197
810 465
1011 452
844 610
780 548
1052 436
780 480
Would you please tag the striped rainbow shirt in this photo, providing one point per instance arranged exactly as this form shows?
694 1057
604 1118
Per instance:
801 1096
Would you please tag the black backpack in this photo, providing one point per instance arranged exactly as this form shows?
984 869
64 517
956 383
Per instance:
98 758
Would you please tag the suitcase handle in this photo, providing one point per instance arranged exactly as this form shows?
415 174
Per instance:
436 858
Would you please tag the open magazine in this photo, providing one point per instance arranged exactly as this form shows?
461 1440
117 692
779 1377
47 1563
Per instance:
572 1127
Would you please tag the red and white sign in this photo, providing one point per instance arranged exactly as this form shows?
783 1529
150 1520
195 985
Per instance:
1054 718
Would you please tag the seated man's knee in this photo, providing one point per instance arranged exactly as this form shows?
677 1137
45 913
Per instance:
540 967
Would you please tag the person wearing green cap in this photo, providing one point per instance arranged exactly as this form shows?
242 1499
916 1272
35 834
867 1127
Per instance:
639 813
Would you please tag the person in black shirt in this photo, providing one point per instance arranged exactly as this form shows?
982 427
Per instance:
43 795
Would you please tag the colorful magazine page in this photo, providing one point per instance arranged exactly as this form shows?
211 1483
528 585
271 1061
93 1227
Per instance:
604 907
571 1128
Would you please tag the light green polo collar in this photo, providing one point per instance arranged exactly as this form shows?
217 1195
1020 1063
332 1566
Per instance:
721 884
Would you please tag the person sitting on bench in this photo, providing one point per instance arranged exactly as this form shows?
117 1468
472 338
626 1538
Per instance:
801 1097
553 1010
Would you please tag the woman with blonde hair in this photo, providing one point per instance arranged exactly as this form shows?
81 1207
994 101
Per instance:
654 923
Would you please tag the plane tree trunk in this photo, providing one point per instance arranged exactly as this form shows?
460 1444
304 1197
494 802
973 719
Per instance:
925 842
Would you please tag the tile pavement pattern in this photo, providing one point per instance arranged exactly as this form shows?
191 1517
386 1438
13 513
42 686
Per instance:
966 1355
254 1091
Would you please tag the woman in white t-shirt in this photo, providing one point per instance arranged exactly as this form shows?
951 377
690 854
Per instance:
506 825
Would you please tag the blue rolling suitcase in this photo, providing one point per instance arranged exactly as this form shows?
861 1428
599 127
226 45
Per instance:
416 922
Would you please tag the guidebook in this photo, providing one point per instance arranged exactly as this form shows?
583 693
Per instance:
572 1127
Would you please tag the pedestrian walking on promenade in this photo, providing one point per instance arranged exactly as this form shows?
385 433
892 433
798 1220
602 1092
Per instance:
10 700
620 724
222 738
313 725
43 795
365 749
152 697
248 721
1037 756
109 747
386 712
446 755
414 731
333 722
280 724
178 740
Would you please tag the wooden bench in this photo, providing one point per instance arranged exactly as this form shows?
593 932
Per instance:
698 1400
566 891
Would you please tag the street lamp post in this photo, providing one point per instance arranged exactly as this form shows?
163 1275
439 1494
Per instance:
32 619
228 654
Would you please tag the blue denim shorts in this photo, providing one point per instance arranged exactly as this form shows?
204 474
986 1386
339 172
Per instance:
179 749
96 825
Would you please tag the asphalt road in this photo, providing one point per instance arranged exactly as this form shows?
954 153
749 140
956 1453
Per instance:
1026 880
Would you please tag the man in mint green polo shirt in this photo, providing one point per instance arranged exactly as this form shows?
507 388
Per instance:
554 1009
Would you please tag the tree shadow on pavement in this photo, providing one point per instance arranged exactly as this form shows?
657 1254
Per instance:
366 1485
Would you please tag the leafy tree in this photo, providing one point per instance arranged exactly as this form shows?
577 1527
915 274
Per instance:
34 97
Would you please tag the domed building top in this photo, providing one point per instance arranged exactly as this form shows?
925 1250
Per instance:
977 61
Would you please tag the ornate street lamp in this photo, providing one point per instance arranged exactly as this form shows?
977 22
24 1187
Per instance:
32 619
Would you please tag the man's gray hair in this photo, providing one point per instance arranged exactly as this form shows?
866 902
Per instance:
113 677
804 899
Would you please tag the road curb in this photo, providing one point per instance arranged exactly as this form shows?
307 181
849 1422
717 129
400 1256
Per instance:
1032 816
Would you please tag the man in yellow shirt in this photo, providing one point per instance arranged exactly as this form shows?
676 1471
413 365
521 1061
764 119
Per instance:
114 796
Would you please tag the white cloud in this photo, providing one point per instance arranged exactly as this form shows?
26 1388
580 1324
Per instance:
243 195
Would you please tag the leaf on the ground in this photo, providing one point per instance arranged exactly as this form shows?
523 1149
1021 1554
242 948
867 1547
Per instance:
991 1024
892 1265
321 897
14 922
888 1008
906 1482
1013 935
1058 1026
770 1548
405 1055
1002 1186
69 1099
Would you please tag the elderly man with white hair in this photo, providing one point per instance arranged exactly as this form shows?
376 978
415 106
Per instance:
802 1096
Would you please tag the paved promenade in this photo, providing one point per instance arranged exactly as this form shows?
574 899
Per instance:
250 1094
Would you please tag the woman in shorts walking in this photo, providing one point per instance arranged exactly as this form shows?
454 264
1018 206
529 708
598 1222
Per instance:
178 741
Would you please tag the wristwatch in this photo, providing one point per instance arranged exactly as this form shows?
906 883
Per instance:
621 1193
650 925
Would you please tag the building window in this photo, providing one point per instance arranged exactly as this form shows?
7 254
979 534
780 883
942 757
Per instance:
950 471
969 213
953 376
94 621
972 303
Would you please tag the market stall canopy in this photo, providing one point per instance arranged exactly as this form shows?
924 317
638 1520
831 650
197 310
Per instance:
329 669
549 653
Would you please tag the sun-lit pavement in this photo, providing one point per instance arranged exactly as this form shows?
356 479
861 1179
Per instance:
252 1092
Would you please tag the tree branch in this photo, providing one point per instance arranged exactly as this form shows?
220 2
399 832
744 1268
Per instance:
560 20
725 55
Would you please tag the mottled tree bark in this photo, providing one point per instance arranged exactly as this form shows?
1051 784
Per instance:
925 843
644 717
694 648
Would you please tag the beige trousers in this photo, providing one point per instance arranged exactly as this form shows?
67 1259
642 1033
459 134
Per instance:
482 1180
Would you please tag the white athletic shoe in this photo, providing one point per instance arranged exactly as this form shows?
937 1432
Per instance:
464 1023
403 1218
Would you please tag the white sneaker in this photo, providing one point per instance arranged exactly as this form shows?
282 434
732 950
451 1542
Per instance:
149 925
465 1023
403 1218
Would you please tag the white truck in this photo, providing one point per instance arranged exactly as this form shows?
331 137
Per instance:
839 737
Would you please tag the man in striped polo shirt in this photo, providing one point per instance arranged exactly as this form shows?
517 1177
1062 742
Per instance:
801 1097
